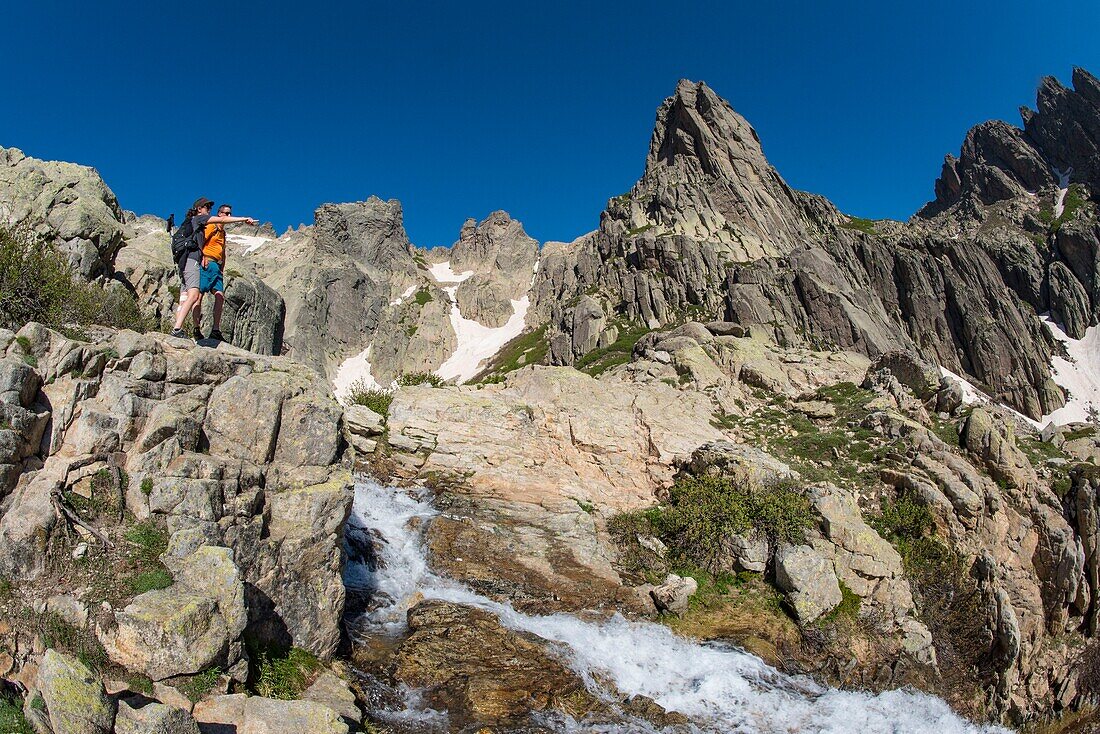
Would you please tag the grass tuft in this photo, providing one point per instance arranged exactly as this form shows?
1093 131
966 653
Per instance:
374 398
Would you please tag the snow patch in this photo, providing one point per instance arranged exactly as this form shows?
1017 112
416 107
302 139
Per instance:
1079 375
352 370
443 274
972 395
248 242
477 343
408 292
1063 186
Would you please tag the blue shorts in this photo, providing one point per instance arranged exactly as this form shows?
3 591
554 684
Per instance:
210 278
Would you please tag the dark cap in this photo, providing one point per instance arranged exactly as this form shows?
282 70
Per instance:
201 202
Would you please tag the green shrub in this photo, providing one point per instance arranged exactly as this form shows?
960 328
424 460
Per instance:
421 378
702 511
37 284
904 518
286 676
147 486
197 686
423 296
375 398
618 352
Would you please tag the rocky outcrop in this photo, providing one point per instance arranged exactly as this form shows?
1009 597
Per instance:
337 276
66 204
960 285
225 448
75 700
193 625
502 257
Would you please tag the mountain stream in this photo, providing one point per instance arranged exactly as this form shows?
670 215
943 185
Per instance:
720 688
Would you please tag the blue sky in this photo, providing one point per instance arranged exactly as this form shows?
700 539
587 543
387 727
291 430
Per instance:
543 110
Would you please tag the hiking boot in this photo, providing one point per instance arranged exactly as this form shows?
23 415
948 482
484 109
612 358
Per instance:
216 335
197 334
178 333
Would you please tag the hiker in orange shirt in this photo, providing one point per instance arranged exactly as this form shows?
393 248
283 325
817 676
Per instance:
212 267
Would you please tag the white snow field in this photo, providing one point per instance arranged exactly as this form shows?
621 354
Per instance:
476 343
248 242
1079 376
351 371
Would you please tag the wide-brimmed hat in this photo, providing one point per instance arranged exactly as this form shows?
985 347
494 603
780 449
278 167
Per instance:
201 202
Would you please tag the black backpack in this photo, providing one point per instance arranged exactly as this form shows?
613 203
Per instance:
185 240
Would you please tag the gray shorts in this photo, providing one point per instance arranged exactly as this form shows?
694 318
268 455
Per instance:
189 270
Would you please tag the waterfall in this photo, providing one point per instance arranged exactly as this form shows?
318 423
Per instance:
719 687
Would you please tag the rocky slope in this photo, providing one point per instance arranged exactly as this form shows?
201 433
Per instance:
173 517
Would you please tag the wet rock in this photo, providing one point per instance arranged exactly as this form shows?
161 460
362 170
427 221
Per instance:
481 671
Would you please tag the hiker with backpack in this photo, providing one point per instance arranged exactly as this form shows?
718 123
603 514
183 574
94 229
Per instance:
187 244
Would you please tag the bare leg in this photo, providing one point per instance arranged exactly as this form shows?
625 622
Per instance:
193 296
196 313
219 301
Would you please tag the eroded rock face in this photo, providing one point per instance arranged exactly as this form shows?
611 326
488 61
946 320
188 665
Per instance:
65 203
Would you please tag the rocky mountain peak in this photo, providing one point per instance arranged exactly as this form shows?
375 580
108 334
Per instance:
706 177
999 161
497 242
372 232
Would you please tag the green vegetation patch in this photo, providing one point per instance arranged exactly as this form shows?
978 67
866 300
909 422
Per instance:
375 398
703 511
530 347
422 297
12 720
1085 432
149 539
284 676
55 632
38 284
197 686
639 230
867 226
618 352
836 450
152 580
421 378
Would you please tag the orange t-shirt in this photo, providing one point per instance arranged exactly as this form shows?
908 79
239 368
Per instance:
215 242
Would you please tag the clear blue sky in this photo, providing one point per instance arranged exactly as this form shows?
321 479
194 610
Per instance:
544 110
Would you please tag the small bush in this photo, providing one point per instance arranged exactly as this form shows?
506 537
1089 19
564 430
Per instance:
199 685
37 284
375 398
147 486
421 378
285 677
702 512
423 296
904 518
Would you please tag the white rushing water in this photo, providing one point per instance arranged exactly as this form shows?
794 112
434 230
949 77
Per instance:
721 688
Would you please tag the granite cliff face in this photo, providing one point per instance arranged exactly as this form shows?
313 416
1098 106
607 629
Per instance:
961 283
